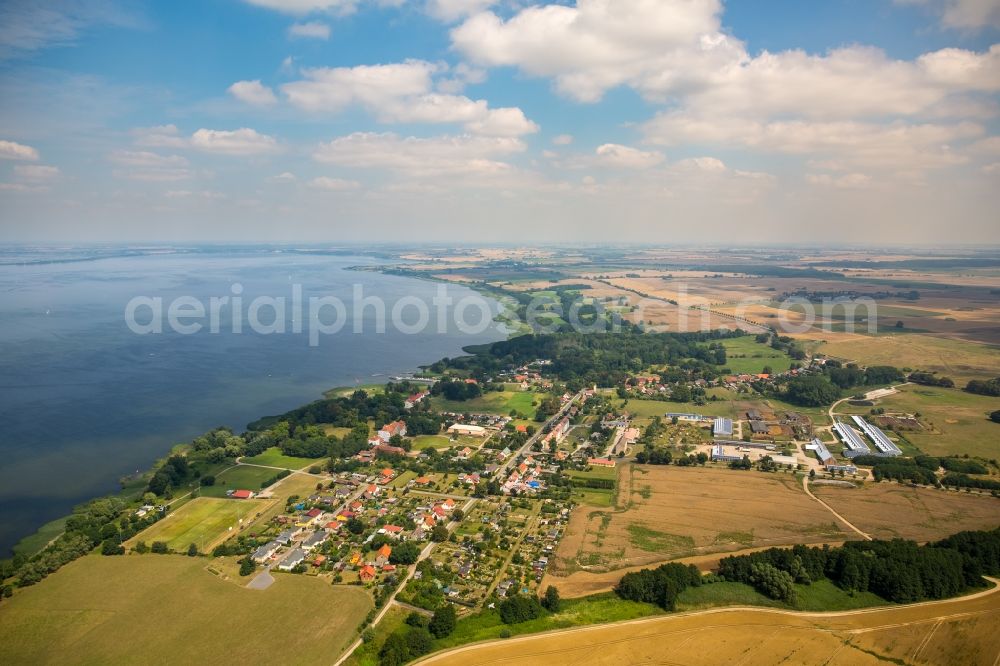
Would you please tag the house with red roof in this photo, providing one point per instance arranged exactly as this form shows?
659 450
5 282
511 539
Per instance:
390 429
367 573
371 491
241 494
382 555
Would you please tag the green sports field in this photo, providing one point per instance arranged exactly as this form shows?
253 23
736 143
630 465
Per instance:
170 609
273 457
243 476
746 355
201 521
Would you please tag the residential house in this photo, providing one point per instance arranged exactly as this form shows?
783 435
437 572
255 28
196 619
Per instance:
292 560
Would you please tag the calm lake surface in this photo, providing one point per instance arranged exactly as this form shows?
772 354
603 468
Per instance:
85 401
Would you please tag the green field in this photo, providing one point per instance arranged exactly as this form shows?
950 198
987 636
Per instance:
201 521
745 355
273 457
821 595
493 402
158 609
246 477
421 442
957 421
650 408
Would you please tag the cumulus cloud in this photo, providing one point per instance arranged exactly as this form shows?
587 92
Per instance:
243 141
401 93
615 155
252 92
334 88
595 45
334 184
309 30
562 139
11 150
420 157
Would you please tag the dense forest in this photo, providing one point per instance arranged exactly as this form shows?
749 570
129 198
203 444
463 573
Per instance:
579 359
898 570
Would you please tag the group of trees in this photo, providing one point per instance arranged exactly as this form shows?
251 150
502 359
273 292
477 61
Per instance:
922 469
930 379
898 570
818 390
520 608
456 389
106 522
990 387
659 586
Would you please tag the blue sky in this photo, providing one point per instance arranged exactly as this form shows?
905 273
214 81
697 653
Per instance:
369 120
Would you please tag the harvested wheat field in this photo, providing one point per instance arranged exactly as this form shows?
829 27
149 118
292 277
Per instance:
960 631
667 512
888 510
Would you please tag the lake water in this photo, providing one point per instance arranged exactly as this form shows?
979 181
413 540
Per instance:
84 400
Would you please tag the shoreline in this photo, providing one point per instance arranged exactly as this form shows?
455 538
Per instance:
131 486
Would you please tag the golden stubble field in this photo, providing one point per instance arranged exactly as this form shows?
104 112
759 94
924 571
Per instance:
955 632
890 510
667 512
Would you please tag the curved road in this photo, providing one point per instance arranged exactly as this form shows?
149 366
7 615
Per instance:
438 656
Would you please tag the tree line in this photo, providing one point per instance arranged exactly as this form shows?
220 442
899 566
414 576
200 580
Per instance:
898 570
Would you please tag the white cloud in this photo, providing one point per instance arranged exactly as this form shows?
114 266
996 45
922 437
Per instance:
309 30
243 141
160 136
141 158
596 44
460 76
11 150
453 10
283 177
401 93
420 157
615 155
887 146
299 7
562 139
334 184
252 92
334 88
36 172
962 14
